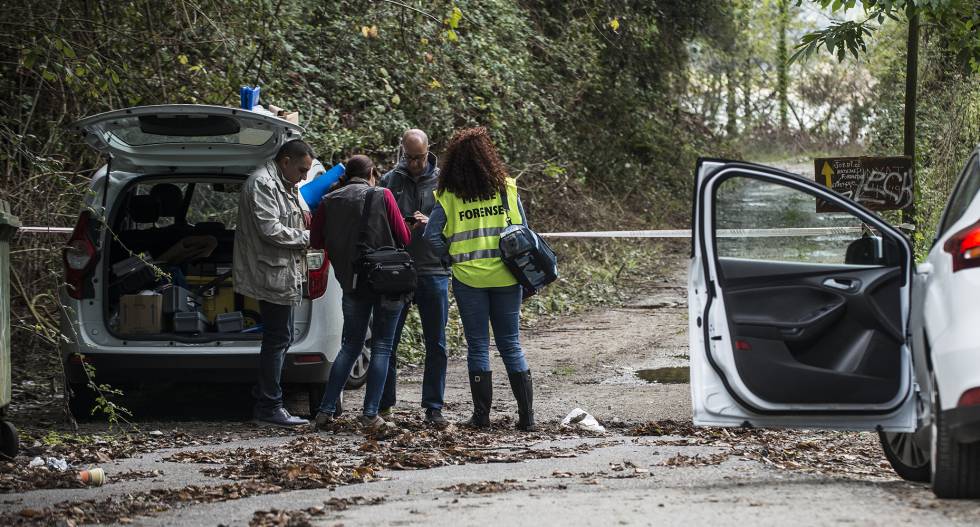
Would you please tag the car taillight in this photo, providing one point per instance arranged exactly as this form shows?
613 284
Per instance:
79 257
313 358
970 397
965 247
317 266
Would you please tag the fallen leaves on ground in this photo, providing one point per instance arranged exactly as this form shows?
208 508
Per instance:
121 509
851 454
17 476
697 460
484 487
304 517
321 460
131 475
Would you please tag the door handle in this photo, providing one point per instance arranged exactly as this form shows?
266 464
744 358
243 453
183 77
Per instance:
842 284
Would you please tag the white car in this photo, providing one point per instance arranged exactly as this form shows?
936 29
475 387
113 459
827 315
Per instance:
175 171
821 320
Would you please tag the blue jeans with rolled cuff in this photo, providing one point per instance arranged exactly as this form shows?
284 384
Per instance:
432 298
358 309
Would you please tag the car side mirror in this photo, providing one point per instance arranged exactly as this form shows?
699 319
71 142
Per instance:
866 250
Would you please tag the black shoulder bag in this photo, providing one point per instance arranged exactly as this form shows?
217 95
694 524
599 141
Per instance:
388 271
529 258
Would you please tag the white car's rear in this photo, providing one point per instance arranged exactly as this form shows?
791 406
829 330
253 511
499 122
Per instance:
951 306
174 172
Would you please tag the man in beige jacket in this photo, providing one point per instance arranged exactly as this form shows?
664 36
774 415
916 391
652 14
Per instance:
270 242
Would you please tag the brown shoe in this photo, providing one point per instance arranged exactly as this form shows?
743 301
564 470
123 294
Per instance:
376 426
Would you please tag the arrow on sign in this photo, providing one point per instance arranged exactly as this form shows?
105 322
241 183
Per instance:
827 172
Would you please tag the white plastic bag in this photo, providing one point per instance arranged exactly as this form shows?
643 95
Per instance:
579 418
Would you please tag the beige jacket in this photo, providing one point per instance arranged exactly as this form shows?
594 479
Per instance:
270 239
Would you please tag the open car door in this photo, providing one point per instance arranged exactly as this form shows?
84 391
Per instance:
797 318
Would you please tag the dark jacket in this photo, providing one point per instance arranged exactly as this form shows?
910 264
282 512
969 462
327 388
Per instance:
343 207
417 194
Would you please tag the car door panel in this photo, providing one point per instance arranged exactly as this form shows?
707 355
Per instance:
793 342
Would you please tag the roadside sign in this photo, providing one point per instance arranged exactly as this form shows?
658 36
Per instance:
878 183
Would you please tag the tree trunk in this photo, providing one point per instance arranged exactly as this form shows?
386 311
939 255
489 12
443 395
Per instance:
731 103
747 81
782 65
911 85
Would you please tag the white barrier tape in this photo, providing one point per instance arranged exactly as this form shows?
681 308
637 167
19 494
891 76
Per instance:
46 230
677 233
722 233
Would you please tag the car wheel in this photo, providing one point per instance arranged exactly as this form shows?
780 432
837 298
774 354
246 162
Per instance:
9 441
359 372
81 400
956 466
908 453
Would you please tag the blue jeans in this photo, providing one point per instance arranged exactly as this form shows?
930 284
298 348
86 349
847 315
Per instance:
277 335
432 297
358 308
501 307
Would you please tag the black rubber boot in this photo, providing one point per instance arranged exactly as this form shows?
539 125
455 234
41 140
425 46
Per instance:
520 382
481 386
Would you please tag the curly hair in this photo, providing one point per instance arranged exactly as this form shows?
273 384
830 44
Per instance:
471 166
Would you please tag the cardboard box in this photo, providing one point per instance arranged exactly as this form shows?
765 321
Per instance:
292 117
141 314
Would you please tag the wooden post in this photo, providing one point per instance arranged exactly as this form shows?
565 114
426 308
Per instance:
911 83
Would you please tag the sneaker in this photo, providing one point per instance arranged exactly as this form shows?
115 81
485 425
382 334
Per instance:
323 421
387 413
280 417
433 416
376 426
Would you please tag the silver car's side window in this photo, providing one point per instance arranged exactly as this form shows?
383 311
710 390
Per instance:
763 220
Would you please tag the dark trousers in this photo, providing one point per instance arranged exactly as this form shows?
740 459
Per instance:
277 335
432 297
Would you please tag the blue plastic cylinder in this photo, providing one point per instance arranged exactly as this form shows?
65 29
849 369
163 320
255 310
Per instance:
314 191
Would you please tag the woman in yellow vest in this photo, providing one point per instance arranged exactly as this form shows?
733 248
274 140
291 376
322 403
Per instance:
466 224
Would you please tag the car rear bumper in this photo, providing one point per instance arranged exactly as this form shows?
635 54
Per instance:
964 423
115 368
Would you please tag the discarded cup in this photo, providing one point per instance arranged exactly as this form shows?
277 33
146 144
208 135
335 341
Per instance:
94 477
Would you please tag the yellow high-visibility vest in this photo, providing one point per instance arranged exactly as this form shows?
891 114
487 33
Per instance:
473 230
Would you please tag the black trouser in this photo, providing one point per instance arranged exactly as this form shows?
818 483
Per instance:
277 322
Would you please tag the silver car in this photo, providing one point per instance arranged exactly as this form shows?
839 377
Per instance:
174 175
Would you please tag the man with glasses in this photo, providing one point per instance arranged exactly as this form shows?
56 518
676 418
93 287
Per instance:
413 182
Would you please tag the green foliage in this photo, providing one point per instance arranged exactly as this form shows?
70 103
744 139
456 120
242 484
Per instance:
103 403
956 21
948 122
583 98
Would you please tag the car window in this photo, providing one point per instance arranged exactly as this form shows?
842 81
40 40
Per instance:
214 202
966 190
150 130
762 220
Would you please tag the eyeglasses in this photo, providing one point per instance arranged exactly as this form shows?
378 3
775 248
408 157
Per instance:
418 157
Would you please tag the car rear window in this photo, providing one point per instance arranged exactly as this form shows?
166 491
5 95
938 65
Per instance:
162 129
